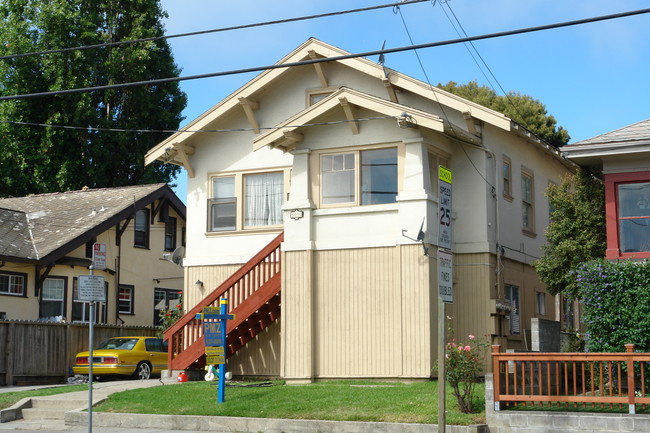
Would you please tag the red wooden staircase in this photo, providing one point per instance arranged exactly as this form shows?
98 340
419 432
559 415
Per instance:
253 294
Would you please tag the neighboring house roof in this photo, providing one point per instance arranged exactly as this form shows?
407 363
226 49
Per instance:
630 139
43 228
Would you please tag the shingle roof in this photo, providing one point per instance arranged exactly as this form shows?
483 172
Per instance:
637 132
34 226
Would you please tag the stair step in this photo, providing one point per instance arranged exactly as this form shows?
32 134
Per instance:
40 413
62 404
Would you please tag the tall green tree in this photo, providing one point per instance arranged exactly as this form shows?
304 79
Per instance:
576 233
523 109
36 158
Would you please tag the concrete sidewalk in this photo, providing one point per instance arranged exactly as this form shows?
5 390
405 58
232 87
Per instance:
75 419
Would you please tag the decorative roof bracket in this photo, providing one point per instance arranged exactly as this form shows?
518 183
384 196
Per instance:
319 69
250 106
347 108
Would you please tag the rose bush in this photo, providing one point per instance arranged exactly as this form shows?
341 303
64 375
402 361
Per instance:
169 316
464 366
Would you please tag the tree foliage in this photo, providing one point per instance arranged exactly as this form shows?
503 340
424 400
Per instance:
576 233
616 304
37 159
523 109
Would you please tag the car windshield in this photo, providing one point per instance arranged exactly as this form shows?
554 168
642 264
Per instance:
118 343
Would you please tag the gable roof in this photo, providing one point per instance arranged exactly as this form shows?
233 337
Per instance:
43 228
283 135
630 139
174 149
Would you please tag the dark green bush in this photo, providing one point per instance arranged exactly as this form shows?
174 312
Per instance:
616 304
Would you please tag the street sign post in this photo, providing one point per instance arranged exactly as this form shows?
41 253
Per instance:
214 338
445 283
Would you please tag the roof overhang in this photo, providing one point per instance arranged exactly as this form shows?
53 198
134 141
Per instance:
176 149
345 101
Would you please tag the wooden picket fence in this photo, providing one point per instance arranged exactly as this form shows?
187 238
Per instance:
43 352
587 380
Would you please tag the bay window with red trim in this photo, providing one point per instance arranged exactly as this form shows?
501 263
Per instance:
627 198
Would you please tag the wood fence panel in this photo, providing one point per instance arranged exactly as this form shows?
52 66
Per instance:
42 352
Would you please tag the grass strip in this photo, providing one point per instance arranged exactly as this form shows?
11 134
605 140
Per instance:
335 400
8 399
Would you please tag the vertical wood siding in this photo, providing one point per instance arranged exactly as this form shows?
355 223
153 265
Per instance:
260 356
474 277
297 313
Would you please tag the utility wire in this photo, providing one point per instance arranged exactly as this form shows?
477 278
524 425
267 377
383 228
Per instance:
335 58
203 32
167 131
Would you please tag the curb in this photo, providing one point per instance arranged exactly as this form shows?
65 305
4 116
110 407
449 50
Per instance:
254 425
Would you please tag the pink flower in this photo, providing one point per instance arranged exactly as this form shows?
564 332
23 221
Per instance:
471 337
467 348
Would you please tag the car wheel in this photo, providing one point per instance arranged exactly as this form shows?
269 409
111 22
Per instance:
143 371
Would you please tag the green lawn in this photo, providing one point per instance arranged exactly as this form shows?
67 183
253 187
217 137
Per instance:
337 400
8 399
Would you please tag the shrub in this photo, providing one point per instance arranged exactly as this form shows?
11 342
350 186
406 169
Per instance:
169 316
465 364
616 304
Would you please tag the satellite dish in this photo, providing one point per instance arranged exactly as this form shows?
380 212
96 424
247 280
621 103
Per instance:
177 256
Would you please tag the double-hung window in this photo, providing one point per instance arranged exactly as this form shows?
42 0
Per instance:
634 217
246 201
362 177
527 202
141 232
125 299
170 234
53 298
13 284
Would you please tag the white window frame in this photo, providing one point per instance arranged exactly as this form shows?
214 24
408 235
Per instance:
14 280
46 292
506 175
239 200
358 181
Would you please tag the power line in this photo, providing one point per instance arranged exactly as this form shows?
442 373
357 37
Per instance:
204 32
335 58
167 131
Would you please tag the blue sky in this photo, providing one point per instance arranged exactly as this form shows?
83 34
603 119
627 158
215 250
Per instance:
593 78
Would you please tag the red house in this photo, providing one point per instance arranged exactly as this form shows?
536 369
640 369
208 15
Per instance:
623 156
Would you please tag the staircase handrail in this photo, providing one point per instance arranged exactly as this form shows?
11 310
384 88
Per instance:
216 294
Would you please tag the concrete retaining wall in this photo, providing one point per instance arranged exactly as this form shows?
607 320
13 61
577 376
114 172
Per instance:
505 421
253 425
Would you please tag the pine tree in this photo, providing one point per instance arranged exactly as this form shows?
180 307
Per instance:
38 159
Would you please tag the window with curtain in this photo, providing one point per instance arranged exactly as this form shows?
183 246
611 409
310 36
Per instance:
125 299
53 297
263 195
13 284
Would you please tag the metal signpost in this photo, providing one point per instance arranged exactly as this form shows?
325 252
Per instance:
445 283
214 336
91 288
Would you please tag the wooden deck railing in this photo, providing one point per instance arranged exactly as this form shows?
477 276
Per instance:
260 272
585 380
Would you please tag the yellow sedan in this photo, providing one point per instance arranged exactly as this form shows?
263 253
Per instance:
139 357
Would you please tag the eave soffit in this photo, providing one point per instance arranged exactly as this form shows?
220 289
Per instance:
345 101
167 149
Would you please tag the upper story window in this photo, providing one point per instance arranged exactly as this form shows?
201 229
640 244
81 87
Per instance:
13 284
507 177
527 201
170 234
363 177
634 217
141 231
246 201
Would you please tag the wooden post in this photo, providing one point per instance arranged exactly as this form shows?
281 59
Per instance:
631 395
496 376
